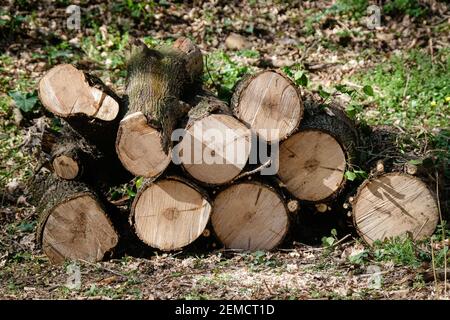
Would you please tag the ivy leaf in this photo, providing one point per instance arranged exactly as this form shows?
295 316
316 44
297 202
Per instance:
301 79
350 175
24 101
368 90
323 93
287 70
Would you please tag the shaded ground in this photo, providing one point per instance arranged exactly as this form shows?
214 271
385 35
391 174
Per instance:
326 41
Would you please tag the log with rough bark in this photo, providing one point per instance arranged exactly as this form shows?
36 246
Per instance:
169 213
250 216
156 81
394 204
73 221
215 146
314 160
268 101
88 105
73 158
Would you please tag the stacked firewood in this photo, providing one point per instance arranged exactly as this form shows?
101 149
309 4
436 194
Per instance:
240 172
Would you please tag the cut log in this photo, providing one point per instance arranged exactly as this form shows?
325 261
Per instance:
313 161
139 147
72 157
156 80
66 91
216 146
394 204
73 223
66 167
250 216
88 105
169 213
269 103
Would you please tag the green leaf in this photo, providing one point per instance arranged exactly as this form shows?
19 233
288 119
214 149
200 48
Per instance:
327 241
26 226
350 175
24 101
287 70
323 93
131 193
368 90
334 232
361 174
139 182
343 88
300 78
415 162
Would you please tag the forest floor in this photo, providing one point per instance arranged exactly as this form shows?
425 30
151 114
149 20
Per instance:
396 74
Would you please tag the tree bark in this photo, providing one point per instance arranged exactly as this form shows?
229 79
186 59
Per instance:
156 81
73 222
73 158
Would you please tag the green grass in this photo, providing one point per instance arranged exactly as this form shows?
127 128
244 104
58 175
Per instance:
410 91
403 251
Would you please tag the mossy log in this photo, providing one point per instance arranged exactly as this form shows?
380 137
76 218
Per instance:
157 80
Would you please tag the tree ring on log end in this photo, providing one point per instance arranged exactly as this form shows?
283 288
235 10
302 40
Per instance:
221 143
392 205
65 91
66 167
312 165
269 100
249 216
169 214
139 147
78 228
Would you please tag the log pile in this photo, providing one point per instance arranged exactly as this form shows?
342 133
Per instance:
201 164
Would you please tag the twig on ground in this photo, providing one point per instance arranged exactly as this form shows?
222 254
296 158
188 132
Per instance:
104 268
